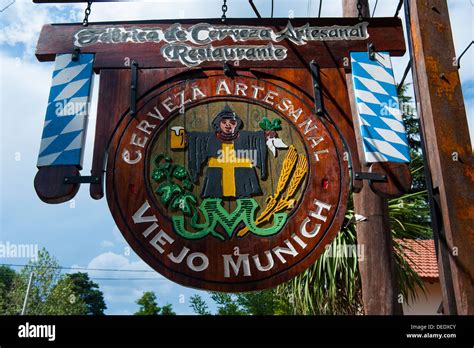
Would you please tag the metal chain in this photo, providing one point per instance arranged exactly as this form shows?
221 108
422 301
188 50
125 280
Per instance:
87 12
359 10
224 10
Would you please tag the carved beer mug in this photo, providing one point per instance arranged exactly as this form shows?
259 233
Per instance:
177 137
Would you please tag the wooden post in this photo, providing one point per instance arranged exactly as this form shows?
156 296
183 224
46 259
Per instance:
379 283
449 153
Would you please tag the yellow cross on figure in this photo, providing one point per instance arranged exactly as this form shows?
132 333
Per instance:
228 162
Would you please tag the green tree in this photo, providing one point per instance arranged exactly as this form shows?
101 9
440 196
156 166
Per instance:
410 119
63 300
7 277
226 304
48 293
258 302
167 309
88 292
149 306
198 305
411 122
250 303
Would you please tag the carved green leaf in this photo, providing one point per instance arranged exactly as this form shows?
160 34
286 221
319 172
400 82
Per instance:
180 172
158 174
158 159
187 184
183 202
167 162
276 124
167 190
265 124
162 157
165 166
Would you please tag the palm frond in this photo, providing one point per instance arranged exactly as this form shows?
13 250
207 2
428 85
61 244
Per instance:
332 285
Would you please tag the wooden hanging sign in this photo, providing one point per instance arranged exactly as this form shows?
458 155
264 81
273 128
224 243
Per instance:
225 149
202 43
239 187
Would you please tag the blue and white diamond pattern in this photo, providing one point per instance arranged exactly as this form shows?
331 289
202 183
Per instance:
64 130
380 119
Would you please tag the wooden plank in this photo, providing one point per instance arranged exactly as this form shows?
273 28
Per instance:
385 33
114 101
49 183
379 285
450 158
113 98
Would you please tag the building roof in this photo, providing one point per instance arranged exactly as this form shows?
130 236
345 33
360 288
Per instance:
421 256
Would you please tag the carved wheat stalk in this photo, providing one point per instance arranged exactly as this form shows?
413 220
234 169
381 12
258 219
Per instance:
298 176
287 168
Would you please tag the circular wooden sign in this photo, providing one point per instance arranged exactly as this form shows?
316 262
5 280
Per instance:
227 184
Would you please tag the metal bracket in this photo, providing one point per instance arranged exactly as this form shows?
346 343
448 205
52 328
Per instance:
371 50
371 176
462 54
227 69
81 180
318 95
75 54
254 8
133 89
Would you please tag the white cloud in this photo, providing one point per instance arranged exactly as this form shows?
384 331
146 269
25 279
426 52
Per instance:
111 260
23 101
125 291
106 244
22 22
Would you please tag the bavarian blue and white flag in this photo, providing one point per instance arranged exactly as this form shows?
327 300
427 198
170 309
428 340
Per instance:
380 119
64 130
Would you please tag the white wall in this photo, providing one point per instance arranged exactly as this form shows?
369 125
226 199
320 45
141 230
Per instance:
426 303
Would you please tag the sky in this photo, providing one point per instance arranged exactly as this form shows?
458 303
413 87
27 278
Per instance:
82 233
